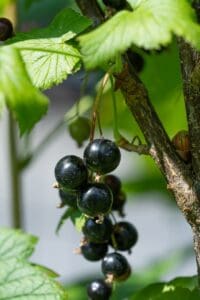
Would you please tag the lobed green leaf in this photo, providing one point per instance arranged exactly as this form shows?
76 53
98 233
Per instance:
15 243
150 25
16 90
49 53
183 288
20 279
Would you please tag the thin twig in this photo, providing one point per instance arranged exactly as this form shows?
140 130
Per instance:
131 147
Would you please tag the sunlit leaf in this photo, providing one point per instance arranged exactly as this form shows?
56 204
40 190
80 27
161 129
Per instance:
150 25
23 99
48 53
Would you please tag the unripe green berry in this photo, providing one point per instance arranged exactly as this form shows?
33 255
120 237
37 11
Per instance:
79 130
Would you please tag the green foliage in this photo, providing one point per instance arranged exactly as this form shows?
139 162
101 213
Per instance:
48 60
77 218
17 91
179 294
13 243
150 25
36 12
28 3
49 53
3 4
177 289
20 279
69 212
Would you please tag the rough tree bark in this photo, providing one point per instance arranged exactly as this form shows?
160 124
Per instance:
182 179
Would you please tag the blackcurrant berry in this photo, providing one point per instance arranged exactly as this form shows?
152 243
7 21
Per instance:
102 156
79 130
117 266
98 233
117 4
119 201
99 290
124 236
136 60
6 29
95 200
68 198
114 183
71 173
93 251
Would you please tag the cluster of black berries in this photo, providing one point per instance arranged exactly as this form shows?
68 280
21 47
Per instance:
84 185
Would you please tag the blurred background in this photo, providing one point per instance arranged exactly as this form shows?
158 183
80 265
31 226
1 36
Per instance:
164 249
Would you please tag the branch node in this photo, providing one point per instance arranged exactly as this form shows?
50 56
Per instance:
132 147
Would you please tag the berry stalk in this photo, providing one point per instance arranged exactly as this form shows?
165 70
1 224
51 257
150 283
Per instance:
117 135
95 110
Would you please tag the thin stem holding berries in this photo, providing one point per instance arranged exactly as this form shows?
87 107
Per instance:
95 109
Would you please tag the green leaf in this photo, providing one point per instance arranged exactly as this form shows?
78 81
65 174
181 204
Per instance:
46 270
178 289
16 244
67 214
24 100
78 220
149 292
20 279
150 25
179 294
49 53
77 291
186 282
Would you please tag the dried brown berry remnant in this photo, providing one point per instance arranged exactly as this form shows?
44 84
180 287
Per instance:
181 142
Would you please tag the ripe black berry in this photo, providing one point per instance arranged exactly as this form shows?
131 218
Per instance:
68 198
97 233
99 290
117 4
95 200
94 252
114 183
102 156
119 201
6 29
117 266
79 130
70 172
124 236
